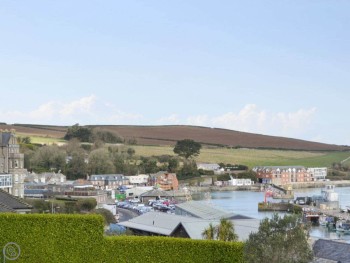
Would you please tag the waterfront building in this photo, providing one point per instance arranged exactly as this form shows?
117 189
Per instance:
318 173
164 180
282 175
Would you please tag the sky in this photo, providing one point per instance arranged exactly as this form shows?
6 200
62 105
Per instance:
268 67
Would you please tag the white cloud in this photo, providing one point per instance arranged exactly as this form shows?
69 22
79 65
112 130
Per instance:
252 119
199 120
82 105
85 110
172 119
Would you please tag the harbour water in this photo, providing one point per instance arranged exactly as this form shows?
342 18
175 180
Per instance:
246 203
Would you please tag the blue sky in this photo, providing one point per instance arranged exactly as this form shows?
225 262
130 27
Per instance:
269 67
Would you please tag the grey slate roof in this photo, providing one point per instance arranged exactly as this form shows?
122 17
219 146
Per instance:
155 193
332 250
5 208
107 177
204 210
165 224
5 138
12 202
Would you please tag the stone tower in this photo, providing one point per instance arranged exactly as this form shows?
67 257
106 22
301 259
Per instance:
11 164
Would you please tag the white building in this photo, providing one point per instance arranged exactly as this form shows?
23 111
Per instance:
240 182
317 173
46 178
137 191
208 166
141 179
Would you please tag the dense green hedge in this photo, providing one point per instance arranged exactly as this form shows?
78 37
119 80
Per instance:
53 238
166 249
79 238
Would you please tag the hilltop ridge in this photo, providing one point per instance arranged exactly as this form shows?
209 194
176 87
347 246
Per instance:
169 134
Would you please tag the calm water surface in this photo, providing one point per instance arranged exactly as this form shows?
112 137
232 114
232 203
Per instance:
246 203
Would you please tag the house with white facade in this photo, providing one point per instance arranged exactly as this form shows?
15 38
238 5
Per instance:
208 166
140 180
317 173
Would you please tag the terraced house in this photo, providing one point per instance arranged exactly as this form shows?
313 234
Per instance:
12 172
282 175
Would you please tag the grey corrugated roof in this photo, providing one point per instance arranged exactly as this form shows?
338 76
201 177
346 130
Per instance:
5 209
332 250
155 193
202 209
165 224
12 201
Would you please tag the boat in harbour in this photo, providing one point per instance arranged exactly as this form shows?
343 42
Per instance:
343 226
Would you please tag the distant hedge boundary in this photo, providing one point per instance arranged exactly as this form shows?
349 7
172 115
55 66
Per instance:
79 238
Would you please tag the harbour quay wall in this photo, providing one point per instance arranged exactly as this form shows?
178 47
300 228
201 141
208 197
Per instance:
320 184
259 187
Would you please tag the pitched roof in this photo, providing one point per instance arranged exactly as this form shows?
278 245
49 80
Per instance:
12 202
332 250
155 193
108 177
5 138
5 208
204 210
165 224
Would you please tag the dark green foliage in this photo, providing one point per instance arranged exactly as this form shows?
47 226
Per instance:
107 215
131 152
205 172
48 158
223 177
106 136
149 165
86 204
79 238
170 250
279 240
188 170
86 147
100 162
84 134
53 238
248 175
24 140
77 167
187 148
225 231
173 165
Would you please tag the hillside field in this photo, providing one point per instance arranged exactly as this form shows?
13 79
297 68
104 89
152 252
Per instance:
252 157
161 139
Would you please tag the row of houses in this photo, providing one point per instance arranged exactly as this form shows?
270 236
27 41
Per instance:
282 175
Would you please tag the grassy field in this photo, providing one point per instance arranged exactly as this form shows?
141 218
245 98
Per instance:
252 157
249 157
43 140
